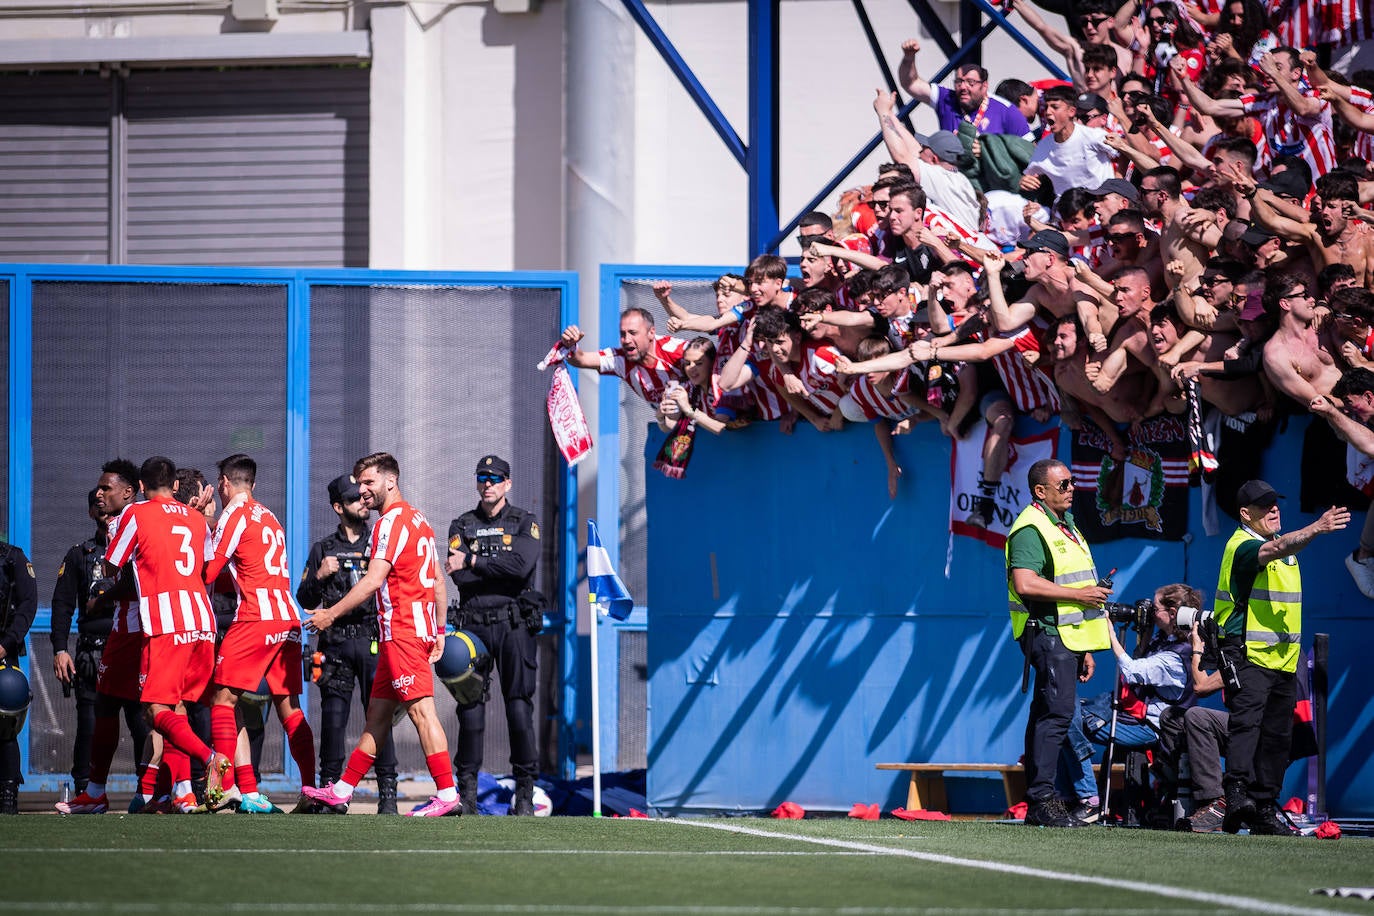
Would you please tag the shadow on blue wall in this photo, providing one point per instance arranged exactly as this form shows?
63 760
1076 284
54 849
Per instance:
802 627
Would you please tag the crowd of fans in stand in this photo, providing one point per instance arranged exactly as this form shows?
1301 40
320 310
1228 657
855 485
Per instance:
1186 224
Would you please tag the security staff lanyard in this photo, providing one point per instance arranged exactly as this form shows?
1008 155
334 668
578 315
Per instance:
1287 561
1061 525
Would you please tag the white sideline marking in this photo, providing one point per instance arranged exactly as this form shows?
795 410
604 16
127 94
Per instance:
1178 893
535 908
217 850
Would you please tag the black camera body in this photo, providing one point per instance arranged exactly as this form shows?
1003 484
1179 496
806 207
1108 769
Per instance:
1137 615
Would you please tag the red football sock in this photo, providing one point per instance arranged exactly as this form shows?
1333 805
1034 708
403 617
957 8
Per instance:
302 741
441 769
358 765
247 779
104 743
176 732
147 783
224 735
178 764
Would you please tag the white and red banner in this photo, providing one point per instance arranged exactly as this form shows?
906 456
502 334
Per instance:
1012 495
569 424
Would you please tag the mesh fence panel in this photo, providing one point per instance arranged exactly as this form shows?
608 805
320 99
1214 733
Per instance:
636 416
632 736
439 377
192 371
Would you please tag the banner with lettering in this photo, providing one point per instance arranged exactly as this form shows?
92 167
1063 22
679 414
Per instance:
1145 494
569 424
1025 448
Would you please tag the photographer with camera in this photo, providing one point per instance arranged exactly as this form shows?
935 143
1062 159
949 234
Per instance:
1153 680
492 555
346 653
1056 602
1259 616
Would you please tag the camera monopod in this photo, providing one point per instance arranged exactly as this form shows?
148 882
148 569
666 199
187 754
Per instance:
1144 630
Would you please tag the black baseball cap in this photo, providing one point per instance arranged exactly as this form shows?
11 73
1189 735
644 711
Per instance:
1117 186
1287 183
1257 493
1091 101
493 465
1048 240
1256 236
343 489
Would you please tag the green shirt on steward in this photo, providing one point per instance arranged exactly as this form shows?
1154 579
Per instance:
1026 550
1245 568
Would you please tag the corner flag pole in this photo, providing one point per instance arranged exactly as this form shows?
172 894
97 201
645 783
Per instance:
607 595
595 635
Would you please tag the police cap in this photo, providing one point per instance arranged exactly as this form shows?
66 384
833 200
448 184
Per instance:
493 465
343 489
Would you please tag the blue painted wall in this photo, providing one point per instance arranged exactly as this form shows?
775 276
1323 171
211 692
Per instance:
802 627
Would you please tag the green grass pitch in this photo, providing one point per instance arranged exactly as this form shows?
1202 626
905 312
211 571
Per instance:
366 864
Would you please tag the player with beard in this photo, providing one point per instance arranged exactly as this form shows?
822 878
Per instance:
348 649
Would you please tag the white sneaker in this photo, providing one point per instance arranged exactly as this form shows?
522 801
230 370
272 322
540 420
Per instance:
1362 571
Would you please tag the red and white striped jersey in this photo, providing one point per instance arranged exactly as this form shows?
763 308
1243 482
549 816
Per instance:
769 404
1285 133
1029 387
1305 23
1363 100
405 602
864 402
125 609
816 371
165 541
253 543
648 383
940 222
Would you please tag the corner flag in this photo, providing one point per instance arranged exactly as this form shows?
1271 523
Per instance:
604 587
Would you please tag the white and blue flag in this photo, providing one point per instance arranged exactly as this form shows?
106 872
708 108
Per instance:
604 587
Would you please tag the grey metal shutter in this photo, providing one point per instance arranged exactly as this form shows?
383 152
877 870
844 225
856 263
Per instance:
54 167
248 167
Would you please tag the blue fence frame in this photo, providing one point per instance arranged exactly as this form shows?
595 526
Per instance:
298 285
608 477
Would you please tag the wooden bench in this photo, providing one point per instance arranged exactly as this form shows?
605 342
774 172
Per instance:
927 788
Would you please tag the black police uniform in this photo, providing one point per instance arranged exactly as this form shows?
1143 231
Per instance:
504 551
18 605
349 650
81 573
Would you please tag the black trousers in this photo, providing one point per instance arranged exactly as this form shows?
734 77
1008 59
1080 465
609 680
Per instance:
512 651
1053 700
349 662
1260 726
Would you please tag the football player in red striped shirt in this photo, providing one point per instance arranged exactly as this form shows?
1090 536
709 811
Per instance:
165 542
116 687
264 641
403 572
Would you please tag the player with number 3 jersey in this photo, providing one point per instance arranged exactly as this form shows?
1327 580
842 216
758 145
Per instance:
165 542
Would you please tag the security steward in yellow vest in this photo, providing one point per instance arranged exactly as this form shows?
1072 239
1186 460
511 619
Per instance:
1057 617
1259 617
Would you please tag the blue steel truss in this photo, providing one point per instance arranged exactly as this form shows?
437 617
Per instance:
759 156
